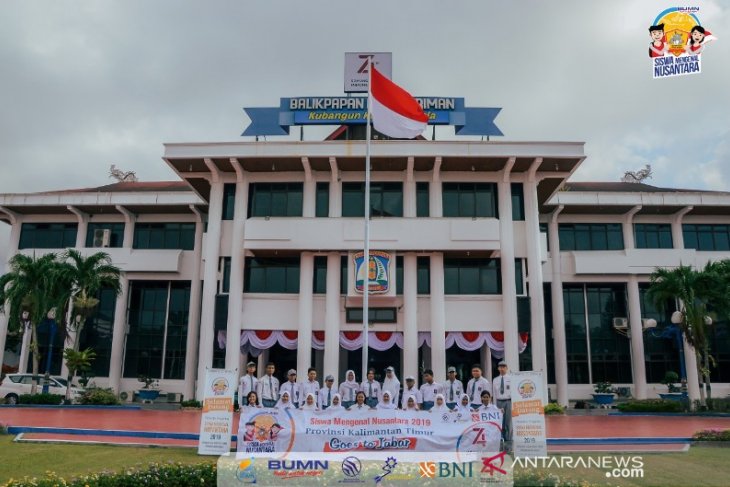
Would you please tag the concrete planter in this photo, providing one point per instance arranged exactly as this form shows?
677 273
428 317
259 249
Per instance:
603 398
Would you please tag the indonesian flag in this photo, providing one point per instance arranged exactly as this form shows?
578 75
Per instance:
395 112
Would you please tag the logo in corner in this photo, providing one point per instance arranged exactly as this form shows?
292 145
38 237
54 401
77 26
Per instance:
246 472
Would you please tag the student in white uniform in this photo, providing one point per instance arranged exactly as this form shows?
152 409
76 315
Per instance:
409 403
386 402
487 405
252 401
348 389
310 403
293 388
476 386
463 410
410 390
429 389
503 397
285 401
453 388
269 387
326 393
336 404
440 405
311 385
360 404
371 388
247 383
392 384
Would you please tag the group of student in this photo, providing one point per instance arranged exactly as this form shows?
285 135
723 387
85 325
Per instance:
351 395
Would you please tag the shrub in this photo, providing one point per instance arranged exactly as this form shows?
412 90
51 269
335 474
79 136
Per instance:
554 408
712 435
166 475
191 403
650 406
99 396
719 405
3 429
603 388
54 399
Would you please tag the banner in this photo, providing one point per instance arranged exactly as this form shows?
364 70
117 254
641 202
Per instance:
528 414
216 422
266 431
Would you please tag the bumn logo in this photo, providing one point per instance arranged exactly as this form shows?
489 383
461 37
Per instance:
364 67
442 470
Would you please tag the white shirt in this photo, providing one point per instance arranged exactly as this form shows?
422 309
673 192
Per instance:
429 391
475 387
309 387
453 390
371 389
324 398
294 390
410 392
246 384
496 387
268 388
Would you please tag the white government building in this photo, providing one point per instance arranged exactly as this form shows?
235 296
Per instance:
493 253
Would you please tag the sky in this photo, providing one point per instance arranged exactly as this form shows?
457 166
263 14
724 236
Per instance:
86 84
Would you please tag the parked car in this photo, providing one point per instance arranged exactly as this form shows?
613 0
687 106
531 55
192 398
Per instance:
15 385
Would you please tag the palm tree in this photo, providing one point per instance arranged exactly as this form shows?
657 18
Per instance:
36 286
78 361
697 292
88 276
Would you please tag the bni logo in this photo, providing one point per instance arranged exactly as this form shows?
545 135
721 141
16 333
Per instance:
431 470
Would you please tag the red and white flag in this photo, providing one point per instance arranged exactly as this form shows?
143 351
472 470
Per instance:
394 111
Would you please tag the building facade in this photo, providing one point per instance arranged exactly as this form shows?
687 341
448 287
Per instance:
491 253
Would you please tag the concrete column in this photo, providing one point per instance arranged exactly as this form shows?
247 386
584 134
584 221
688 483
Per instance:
129 221
638 366
556 287
304 338
690 364
438 317
509 289
435 203
24 351
332 317
628 228
119 334
309 195
335 210
409 191
677 235
210 277
410 316
12 249
538 343
235 296
485 354
191 344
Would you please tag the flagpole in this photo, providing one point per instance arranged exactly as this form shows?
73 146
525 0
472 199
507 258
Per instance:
366 249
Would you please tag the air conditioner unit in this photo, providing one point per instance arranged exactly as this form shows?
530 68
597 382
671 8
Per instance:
102 237
647 323
621 323
174 397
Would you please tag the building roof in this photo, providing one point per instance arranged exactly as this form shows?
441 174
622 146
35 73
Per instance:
622 187
128 187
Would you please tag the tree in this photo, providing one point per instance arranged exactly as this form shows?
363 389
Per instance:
77 362
88 276
698 293
36 286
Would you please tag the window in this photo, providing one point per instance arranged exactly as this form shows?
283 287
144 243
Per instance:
472 276
660 344
575 335
544 229
116 237
473 200
343 274
319 285
386 199
424 274
399 275
97 332
229 200
158 324
164 236
226 284
591 236
271 275
275 199
518 202
519 277
322 202
375 315
706 237
422 200
652 236
47 235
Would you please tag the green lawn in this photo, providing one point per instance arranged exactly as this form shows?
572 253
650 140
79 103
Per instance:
18 460
700 466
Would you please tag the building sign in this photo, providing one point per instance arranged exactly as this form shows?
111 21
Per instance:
378 272
216 422
356 69
344 110
528 414
676 42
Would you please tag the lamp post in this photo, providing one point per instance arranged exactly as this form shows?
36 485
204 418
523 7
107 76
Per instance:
52 328
24 341
677 318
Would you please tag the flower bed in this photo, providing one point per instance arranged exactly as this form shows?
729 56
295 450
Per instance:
650 406
712 435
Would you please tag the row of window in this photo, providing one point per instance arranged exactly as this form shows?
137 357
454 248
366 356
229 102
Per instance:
475 200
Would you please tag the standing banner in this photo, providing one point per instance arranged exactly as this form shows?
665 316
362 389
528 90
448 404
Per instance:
528 414
216 422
